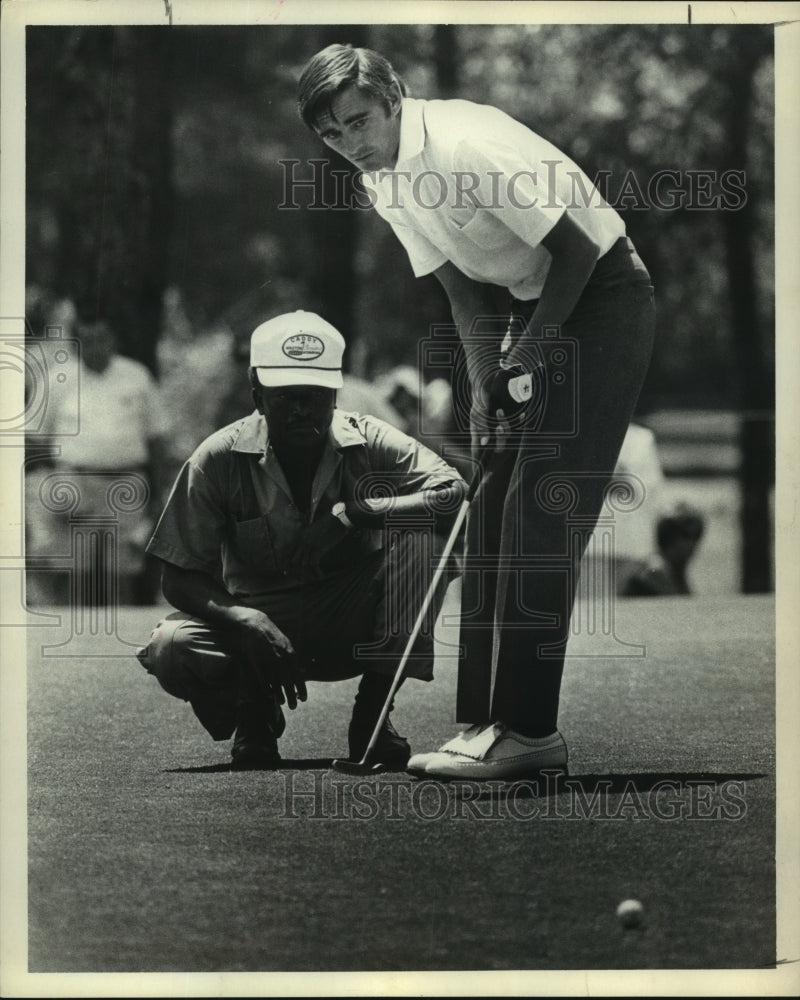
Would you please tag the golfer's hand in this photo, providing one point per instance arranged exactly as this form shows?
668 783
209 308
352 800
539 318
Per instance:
509 391
272 658
315 542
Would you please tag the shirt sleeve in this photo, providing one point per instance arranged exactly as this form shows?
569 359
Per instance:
190 530
408 465
516 191
423 255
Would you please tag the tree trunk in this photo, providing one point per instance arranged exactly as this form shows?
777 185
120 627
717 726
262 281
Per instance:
446 59
152 153
756 436
99 160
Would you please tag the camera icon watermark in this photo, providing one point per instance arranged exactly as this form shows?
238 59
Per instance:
47 368
552 360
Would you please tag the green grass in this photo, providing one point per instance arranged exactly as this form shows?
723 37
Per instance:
146 854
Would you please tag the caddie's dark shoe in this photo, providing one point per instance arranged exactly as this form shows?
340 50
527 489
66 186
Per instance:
254 751
255 742
391 749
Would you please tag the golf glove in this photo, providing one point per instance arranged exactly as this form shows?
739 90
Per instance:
510 390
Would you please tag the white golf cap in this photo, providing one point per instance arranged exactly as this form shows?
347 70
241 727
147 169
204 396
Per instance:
298 348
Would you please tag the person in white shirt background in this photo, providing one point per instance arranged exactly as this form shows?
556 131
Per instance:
518 235
121 435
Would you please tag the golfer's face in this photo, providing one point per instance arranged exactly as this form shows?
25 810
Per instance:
298 415
362 130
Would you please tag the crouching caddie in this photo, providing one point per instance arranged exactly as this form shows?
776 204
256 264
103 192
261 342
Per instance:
298 544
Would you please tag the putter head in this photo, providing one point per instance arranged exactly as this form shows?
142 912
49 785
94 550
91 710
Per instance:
358 767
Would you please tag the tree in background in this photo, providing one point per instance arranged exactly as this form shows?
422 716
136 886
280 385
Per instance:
154 162
99 174
753 340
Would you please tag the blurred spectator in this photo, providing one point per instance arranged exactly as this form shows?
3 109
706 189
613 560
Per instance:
639 467
441 431
654 541
197 365
403 390
426 412
41 307
358 396
438 407
678 536
635 530
121 435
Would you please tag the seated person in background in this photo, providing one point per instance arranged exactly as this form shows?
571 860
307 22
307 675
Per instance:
678 536
279 563
639 469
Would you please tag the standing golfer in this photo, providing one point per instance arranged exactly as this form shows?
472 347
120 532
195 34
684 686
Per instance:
282 567
517 234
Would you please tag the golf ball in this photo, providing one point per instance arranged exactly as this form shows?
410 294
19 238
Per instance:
630 912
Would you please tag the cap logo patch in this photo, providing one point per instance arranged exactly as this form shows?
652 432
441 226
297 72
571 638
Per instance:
303 347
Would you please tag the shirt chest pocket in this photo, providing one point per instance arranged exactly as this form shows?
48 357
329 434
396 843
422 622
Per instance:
483 229
254 546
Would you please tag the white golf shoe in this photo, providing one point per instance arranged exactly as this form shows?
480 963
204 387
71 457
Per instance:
489 751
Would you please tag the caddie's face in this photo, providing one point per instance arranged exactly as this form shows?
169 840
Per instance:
298 416
362 130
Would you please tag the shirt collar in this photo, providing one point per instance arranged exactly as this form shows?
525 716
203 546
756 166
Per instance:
412 130
345 431
252 437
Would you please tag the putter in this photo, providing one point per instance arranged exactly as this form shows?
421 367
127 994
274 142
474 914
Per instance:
363 766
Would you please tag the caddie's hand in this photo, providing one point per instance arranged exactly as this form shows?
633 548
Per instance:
315 542
290 682
272 658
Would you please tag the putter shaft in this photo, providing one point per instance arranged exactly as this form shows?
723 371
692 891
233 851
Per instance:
483 459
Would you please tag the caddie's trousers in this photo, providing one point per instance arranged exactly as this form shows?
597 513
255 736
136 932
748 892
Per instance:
533 516
340 627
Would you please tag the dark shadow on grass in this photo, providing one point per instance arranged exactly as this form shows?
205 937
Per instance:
645 781
550 783
286 764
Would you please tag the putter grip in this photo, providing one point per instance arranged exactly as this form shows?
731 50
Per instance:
483 460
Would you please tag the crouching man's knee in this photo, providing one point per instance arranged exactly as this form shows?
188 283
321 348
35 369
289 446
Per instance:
186 655
193 661
162 658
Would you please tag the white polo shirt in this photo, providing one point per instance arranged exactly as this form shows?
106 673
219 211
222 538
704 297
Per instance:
475 187
118 412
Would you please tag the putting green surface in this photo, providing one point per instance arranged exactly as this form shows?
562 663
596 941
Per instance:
145 853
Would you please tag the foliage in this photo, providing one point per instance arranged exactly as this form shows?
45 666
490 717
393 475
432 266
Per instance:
98 173
156 170
134 188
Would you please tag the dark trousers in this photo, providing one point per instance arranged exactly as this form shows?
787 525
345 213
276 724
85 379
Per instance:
537 507
340 627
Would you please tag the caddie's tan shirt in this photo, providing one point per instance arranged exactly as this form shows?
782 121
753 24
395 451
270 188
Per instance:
231 513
